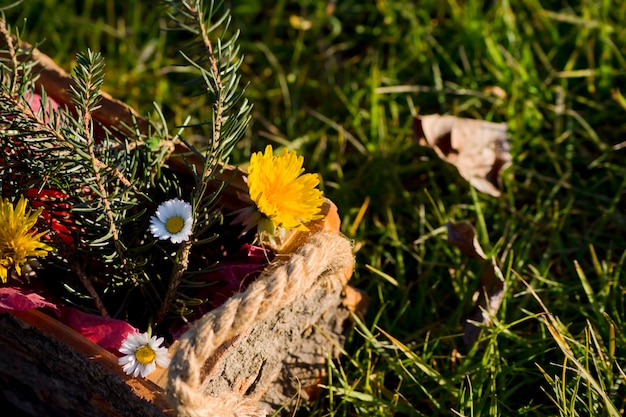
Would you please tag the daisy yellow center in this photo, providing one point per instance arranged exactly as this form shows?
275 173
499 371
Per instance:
145 354
174 224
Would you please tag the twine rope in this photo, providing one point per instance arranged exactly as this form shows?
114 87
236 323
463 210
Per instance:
324 254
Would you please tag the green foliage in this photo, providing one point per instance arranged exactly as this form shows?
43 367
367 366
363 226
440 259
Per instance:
217 65
340 81
110 179
51 154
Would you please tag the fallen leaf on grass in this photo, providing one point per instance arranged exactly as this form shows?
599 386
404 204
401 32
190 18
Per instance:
492 285
478 149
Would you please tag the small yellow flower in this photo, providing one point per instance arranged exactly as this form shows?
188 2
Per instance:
280 193
17 241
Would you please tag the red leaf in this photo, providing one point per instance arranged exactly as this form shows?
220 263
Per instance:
107 332
20 299
34 101
56 211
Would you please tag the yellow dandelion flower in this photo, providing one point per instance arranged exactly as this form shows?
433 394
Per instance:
280 192
17 241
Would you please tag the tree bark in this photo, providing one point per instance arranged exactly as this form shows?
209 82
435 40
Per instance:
44 377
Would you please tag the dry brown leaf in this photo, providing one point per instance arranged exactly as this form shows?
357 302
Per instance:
492 285
478 149
356 300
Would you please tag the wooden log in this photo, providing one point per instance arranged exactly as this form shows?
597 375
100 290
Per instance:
47 369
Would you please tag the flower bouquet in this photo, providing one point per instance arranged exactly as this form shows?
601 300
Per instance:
142 275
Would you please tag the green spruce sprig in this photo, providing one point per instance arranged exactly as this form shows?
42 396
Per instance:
216 64
103 179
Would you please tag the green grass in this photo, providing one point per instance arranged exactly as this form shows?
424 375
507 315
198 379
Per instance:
342 88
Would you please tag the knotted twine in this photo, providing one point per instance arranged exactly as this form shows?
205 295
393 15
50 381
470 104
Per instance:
324 255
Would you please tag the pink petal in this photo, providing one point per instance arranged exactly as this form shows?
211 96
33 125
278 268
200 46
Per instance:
107 332
20 299
34 100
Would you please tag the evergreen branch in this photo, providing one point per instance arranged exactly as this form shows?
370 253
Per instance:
217 64
47 128
87 283
219 103
180 267
59 150
19 72
89 79
47 150
6 36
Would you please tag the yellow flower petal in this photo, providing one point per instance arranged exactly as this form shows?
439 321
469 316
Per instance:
17 241
280 192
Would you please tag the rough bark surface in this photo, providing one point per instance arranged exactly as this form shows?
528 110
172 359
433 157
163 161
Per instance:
279 362
282 359
43 377
304 367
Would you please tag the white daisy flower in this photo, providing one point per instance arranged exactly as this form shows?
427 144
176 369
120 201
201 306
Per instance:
142 354
173 221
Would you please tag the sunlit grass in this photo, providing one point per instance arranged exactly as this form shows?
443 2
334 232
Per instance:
340 82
